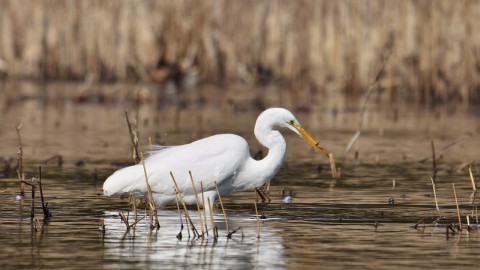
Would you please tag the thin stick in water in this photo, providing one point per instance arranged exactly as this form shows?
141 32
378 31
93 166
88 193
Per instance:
214 227
370 89
204 209
46 213
133 201
188 226
258 219
435 196
136 154
333 167
124 219
32 210
188 219
198 202
179 235
474 185
434 162
151 204
21 175
458 208
221 205
443 149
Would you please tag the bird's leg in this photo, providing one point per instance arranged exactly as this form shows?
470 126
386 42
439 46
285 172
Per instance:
263 193
266 188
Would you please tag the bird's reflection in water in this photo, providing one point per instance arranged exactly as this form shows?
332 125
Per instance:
142 247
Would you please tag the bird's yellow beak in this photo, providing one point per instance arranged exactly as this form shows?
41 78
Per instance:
309 139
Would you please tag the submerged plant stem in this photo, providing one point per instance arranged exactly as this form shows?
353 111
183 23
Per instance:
197 201
458 208
221 205
435 196
188 219
258 219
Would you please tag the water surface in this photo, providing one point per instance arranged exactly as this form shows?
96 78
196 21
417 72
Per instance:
365 219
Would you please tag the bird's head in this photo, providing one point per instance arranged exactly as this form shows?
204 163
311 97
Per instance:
286 119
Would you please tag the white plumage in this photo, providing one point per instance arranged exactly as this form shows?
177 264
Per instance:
224 159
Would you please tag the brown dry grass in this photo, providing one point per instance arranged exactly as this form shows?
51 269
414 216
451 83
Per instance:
311 45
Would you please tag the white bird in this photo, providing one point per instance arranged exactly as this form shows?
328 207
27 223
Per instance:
224 159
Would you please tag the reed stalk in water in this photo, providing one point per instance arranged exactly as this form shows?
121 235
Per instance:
434 162
458 208
214 227
221 205
258 219
333 167
371 87
46 213
125 220
435 196
197 201
135 142
189 220
204 209
179 235
150 202
474 185
21 175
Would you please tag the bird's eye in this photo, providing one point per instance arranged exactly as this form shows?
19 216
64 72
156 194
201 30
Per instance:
291 122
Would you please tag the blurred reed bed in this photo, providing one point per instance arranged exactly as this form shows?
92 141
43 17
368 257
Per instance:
310 46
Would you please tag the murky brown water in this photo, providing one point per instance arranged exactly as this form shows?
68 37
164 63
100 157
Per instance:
362 220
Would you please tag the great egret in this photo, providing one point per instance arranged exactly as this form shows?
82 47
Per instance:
224 159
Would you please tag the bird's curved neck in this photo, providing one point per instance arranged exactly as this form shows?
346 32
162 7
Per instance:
274 141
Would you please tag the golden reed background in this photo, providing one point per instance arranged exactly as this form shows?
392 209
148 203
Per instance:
319 45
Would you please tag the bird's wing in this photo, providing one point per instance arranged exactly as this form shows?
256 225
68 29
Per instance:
213 159
155 149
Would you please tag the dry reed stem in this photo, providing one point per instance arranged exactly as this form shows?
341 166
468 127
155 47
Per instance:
258 219
214 227
458 208
58 158
139 158
37 225
102 228
370 89
136 221
178 209
197 201
221 205
150 203
136 155
446 147
21 175
435 196
188 226
333 167
32 210
46 213
204 208
306 43
476 213
125 220
474 185
188 219
434 162
234 231
133 202
421 221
